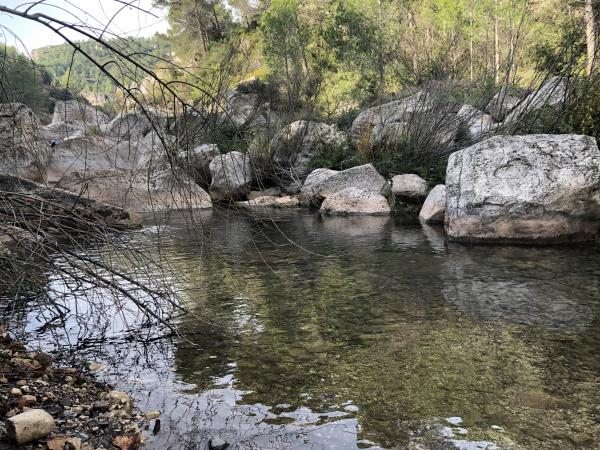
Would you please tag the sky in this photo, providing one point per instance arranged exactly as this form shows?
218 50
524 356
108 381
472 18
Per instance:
27 35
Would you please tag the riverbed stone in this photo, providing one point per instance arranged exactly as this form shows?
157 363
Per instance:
409 188
29 425
529 189
355 201
434 207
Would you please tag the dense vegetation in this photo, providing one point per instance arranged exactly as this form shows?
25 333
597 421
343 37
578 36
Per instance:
22 81
71 69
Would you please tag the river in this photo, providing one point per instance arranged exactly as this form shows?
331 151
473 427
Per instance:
313 332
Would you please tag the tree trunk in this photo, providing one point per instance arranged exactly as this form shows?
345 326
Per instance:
496 43
590 34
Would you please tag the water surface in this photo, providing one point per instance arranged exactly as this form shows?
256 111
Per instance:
343 333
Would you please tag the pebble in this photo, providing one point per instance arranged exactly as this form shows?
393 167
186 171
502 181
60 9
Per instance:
16 392
153 414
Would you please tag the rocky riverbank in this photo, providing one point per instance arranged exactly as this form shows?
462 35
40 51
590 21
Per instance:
44 405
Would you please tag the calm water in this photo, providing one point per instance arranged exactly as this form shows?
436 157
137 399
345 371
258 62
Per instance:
344 333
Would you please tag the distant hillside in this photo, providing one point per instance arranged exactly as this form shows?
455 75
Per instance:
79 75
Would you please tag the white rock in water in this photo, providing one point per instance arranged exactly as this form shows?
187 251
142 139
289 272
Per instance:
409 187
231 176
434 207
364 177
529 189
30 425
353 201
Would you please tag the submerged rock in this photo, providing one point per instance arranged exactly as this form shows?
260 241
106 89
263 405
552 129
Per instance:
434 207
354 201
535 188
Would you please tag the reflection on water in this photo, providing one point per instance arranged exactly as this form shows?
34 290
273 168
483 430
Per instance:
330 333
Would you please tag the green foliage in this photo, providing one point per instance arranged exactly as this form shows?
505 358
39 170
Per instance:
22 81
72 70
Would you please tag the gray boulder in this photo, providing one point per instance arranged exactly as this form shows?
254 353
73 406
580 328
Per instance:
552 93
295 145
197 162
231 176
434 207
325 182
76 111
532 189
409 188
354 201
139 190
23 152
135 124
396 111
439 130
475 124
502 104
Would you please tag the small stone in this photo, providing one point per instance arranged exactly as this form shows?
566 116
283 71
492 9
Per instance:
3 380
95 367
69 379
21 382
30 425
454 420
25 389
217 444
101 405
16 392
27 400
153 414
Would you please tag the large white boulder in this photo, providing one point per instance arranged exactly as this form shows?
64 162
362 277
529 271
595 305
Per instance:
295 145
434 207
354 201
23 151
534 188
77 111
231 176
409 187
315 178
